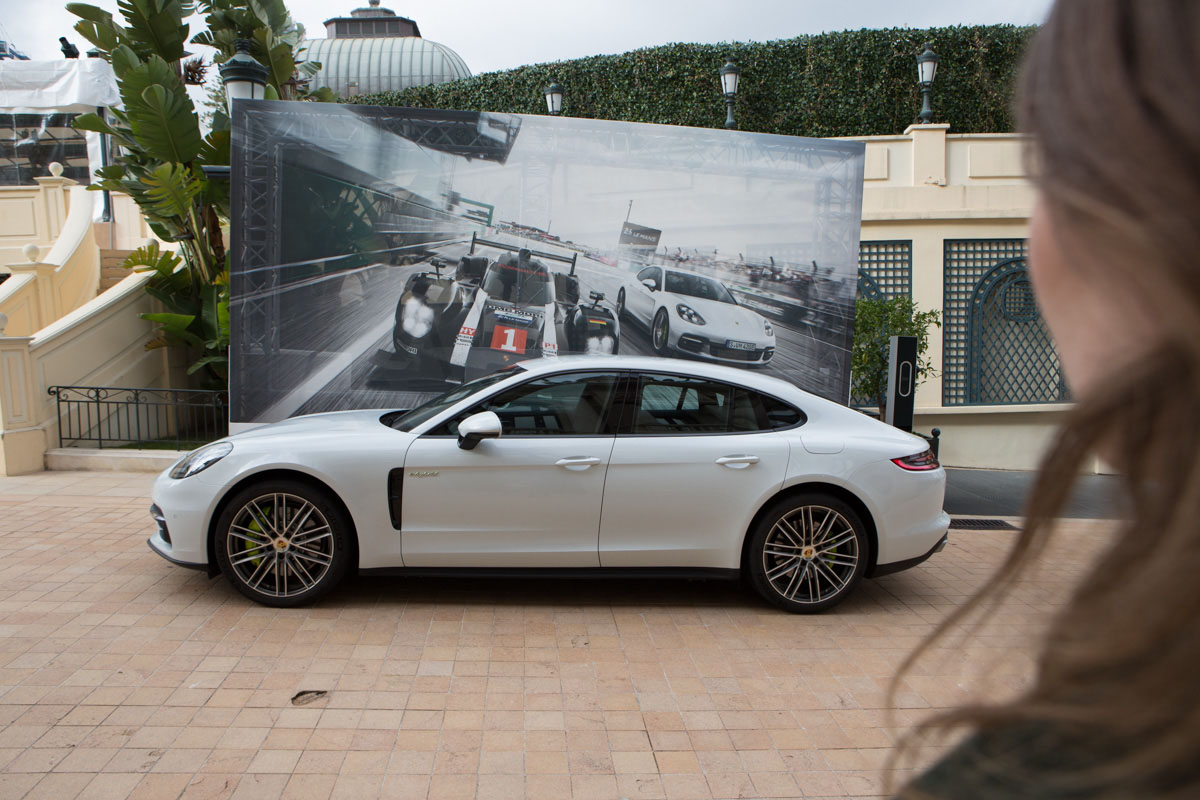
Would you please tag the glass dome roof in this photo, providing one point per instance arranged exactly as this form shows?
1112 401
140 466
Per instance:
382 64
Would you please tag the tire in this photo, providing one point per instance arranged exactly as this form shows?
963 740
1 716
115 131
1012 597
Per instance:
660 333
260 554
807 553
621 302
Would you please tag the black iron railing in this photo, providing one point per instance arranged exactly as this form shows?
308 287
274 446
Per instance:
108 416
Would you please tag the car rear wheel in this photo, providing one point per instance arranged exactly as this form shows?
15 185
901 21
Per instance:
808 552
661 332
283 543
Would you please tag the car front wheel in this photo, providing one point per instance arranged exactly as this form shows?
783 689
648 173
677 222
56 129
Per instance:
621 302
283 543
661 332
808 552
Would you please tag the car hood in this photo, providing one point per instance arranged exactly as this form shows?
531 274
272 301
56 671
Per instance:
336 423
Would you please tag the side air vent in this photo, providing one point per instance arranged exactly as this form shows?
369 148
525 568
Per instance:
396 496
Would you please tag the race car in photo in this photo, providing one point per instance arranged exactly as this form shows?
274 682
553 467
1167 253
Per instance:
491 313
696 315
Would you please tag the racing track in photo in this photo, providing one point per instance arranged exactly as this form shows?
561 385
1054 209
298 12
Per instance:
368 374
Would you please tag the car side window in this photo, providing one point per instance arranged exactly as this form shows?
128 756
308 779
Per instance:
651 274
669 404
778 414
574 404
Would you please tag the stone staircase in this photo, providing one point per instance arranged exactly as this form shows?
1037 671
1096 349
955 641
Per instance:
111 271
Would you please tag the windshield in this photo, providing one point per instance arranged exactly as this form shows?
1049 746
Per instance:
526 283
440 403
698 286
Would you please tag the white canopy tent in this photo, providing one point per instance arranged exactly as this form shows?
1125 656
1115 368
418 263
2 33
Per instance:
38 100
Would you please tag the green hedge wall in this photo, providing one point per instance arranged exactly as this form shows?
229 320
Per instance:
853 83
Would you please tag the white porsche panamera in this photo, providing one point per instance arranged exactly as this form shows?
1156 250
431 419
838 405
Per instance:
690 313
568 466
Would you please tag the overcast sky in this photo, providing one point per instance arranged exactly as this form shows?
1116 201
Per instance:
500 34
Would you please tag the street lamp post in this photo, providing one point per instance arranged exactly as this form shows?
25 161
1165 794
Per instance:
242 76
554 98
927 63
729 87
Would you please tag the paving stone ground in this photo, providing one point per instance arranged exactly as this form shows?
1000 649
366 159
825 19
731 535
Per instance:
123 676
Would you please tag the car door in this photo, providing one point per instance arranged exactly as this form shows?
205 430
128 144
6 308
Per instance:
530 498
692 462
641 297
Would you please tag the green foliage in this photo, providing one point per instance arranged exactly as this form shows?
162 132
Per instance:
852 83
164 151
158 24
161 116
197 320
875 322
275 40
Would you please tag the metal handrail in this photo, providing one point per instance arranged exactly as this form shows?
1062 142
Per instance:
100 416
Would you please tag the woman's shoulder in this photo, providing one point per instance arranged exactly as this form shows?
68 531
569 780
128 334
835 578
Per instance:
1029 761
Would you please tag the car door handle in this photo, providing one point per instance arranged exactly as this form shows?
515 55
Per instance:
577 462
737 462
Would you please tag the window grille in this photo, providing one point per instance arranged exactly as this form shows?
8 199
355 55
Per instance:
888 268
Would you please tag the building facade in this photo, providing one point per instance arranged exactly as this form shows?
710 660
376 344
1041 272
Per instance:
946 221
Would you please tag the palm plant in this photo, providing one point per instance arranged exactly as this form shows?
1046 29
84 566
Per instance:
164 150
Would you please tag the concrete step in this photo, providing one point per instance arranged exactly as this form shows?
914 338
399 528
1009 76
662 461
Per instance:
83 458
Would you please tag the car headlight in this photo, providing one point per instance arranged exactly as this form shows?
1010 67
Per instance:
687 313
200 459
767 329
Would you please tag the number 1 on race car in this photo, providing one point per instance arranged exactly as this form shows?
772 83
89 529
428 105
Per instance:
511 340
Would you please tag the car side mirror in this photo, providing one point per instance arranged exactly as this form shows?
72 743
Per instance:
650 284
477 427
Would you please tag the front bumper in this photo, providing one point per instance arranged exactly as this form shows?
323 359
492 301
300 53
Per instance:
162 548
714 350
184 509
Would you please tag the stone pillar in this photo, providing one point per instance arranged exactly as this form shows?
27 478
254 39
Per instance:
46 303
22 443
54 200
928 154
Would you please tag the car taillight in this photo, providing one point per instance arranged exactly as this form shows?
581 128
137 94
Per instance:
921 462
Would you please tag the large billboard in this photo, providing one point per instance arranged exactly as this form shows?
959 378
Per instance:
382 255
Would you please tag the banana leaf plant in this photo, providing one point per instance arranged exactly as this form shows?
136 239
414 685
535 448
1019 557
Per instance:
196 321
164 151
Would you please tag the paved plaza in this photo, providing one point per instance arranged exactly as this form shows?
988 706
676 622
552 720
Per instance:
123 676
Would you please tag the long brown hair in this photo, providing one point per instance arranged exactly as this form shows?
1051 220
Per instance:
1109 96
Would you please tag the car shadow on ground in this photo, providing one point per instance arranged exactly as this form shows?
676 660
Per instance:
892 593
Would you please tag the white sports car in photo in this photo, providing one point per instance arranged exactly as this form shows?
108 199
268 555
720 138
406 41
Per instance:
695 314
571 466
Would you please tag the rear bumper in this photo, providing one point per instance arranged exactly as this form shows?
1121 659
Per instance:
900 566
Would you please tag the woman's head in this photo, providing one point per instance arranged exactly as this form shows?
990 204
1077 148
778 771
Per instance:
1108 95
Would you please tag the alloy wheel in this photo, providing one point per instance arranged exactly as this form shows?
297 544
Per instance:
280 545
811 554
